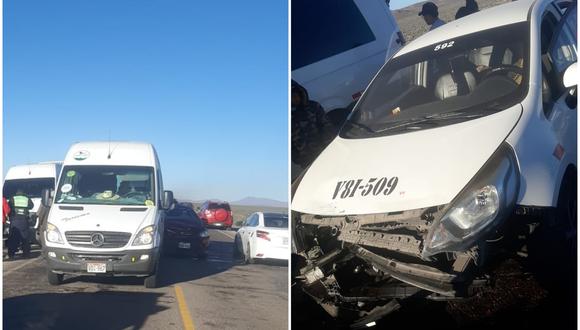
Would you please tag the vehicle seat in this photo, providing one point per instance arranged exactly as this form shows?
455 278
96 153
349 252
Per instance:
124 188
447 87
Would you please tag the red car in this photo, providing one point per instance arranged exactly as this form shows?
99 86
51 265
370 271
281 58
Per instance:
216 214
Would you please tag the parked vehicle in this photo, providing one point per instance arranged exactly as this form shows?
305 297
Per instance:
32 179
216 214
185 233
461 153
108 213
338 46
263 236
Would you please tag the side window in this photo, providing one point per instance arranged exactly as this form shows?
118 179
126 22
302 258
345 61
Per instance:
558 52
562 50
324 28
548 29
253 221
248 221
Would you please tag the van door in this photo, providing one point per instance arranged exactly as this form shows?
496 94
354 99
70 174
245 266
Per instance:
338 46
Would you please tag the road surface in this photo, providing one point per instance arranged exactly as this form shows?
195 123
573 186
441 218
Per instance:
216 293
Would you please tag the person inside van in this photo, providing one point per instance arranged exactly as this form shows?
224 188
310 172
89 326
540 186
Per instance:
430 13
311 130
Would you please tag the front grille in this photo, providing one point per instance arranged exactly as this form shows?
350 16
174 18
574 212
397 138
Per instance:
97 257
111 240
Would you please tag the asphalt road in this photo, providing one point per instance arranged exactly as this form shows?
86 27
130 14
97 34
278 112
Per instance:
216 293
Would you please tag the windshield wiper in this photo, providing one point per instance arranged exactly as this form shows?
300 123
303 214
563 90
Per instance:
403 124
363 126
451 115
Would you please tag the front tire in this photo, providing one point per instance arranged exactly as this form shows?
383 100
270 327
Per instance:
237 253
54 278
152 281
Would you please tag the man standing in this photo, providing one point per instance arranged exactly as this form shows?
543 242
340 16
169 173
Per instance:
430 14
20 206
311 131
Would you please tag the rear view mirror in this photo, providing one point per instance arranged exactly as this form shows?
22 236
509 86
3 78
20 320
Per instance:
167 199
569 79
46 197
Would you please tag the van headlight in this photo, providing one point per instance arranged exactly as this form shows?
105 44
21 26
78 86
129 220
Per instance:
487 199
145 236
52 234
204 234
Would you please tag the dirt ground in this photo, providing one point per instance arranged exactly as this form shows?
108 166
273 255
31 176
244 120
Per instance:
413 26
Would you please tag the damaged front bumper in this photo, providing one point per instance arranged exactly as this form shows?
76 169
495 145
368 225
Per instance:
360 267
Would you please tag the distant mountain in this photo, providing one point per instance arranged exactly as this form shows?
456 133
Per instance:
256 201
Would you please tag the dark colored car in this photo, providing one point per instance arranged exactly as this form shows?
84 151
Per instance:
185 233
216 214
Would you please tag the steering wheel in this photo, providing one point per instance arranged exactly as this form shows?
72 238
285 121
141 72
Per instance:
502 69
133 193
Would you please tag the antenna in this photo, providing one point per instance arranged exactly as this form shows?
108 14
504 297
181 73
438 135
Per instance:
109 155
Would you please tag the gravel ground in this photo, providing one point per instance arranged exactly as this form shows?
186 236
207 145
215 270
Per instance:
413 26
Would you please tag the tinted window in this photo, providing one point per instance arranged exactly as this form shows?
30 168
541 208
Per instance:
324 28
183 213
224 206
563 48
275 221
31 187
558 44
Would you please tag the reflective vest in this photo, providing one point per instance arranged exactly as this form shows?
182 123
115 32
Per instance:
21 204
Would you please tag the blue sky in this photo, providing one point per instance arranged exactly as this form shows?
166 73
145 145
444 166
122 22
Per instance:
204 81
397 4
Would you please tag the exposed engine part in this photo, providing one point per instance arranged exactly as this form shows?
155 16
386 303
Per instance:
314 275
462 260
314 253
417 220
406 244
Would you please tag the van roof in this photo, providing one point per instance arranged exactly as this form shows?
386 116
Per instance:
112 153
32 171
501 15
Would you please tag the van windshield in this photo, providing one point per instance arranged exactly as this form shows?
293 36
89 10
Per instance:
445 83
109 185
31 187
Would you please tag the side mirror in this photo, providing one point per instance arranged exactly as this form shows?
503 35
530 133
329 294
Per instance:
46 197
569 79
167 199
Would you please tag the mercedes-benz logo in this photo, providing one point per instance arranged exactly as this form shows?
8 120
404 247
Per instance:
97 239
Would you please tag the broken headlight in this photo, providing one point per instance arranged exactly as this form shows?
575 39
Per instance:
489 197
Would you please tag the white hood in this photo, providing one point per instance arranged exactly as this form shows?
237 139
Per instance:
432 166
100 218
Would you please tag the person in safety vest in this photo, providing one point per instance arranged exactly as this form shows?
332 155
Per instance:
20 234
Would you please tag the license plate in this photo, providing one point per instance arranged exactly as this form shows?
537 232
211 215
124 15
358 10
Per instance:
285 241
96 267
183 245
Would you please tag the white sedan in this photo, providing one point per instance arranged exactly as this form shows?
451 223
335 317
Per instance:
263 236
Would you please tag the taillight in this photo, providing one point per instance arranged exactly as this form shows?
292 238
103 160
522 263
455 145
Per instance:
263 235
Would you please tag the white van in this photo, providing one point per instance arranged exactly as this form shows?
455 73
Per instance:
32 179
446 164
338 46
108 212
